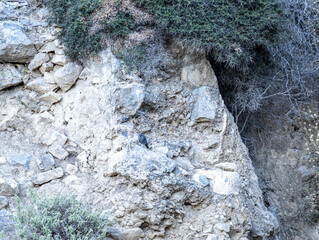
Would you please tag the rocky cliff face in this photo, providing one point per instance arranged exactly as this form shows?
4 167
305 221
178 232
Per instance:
72 129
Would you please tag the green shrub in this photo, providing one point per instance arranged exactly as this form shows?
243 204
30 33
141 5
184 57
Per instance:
74 18
230 28
58 218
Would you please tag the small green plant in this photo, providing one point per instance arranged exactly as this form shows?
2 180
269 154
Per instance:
58 218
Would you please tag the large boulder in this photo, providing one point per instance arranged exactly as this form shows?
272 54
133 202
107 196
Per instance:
15 45
9 76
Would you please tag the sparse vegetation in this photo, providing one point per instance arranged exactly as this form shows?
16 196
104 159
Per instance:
58 218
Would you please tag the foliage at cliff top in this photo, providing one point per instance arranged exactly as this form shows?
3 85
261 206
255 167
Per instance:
232 29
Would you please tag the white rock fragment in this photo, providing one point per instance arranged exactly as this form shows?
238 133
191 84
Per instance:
8 187
59 60
38 60
9 76
3 160
46 162
51 97
46 67
54 136
67 76
71 169
227 166
47 176
39 85
57 151
48 47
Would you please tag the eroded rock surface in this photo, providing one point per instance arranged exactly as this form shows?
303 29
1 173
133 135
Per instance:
79 123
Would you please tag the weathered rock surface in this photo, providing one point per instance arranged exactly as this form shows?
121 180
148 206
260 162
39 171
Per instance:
57 151
38 60
9 76
51 97
23 159
8 187
15 45
46 162
195 181
67 76
47 176
131 97
40 85
207 104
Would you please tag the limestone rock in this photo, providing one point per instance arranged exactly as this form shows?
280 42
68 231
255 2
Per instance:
3 160
39 85
23 159
71 169
198 72
48 47
8 187
38 60
59 60
125 234
223 182
9 76
126 164
15 45
131 97
54 136
201 179
57 151
207 104
47 176
46 162
46 67
51 97
67 76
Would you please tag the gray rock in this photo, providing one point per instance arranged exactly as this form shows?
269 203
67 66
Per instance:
306 174
46 162
140 163
208 102
38 60
48 176
71 169
48 47
125 234
57 151
9 76
51 97
54 136
201 180
3 202
23 159
15 45
39 85
8 187
59 60
131 97
46 67
6 12
65 77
